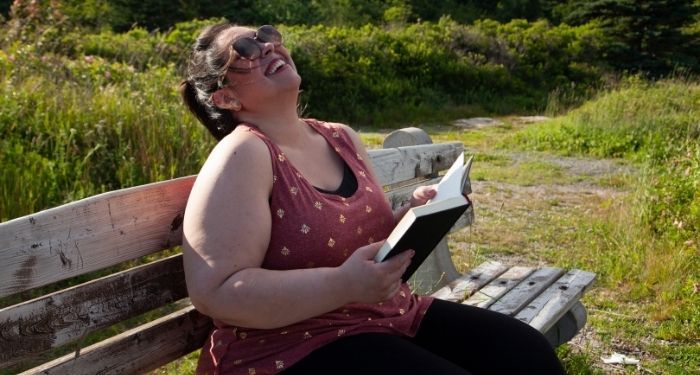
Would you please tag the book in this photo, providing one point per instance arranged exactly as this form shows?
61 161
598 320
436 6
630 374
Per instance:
423 227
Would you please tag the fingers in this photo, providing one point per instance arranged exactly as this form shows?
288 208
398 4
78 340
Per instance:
396 266
370 251
422 194
376 282
392 292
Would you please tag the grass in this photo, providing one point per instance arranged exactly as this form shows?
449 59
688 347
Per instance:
73 128
641 238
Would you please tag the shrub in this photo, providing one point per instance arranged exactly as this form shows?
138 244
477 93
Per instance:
356 74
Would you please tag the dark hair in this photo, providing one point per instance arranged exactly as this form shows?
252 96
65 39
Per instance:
204 69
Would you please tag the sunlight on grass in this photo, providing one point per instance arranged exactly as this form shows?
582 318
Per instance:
644 248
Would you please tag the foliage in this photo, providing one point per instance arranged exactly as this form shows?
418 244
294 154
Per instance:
545 55
82 97
123 15
73 128
37 22
645 36
431 65
380 70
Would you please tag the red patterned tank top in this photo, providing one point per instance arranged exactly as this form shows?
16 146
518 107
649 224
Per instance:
311 228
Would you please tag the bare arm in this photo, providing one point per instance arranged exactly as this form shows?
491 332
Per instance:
226 234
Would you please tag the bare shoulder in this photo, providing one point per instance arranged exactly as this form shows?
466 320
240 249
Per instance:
241 153
238 172
241 149
357 142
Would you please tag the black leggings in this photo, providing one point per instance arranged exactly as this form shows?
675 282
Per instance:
452 339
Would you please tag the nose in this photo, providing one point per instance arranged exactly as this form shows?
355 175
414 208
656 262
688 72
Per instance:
267 48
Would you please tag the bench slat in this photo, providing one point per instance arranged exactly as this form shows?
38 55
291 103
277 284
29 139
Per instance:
141 349
62 317
490 293
77 311
166 339
471 281
395 165
91 234
556 300
110 228
523 293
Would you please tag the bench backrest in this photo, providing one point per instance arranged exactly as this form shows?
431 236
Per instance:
108 234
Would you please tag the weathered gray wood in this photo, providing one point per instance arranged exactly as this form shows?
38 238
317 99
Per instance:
401 195
490 293
91 234
110 228
567 326
406 137
463 287
517 298
396 165
62 317
139 350
437 269
435 272
545 310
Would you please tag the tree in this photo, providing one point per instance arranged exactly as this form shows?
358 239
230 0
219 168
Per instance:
644 35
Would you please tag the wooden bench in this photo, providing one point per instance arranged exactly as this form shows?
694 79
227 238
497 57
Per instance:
114 231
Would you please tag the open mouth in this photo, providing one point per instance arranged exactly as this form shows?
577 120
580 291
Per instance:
275 66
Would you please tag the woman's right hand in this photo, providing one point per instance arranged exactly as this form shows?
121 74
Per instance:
372 282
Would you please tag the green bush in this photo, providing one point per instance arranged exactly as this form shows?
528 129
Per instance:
544 57
362 74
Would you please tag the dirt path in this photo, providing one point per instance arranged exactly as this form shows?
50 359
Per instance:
528 218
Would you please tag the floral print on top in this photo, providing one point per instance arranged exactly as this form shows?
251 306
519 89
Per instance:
310 229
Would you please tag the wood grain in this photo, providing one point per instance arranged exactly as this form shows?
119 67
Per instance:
139 350
59 318
110 228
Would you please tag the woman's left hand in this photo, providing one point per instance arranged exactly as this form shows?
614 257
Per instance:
423 194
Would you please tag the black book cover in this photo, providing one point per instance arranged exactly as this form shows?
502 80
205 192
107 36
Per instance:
424 234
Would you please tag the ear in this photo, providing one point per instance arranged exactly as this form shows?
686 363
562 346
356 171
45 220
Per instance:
225 100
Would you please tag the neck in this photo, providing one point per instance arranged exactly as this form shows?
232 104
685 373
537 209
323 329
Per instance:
281 123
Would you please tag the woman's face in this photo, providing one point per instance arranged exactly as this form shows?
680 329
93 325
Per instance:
267 72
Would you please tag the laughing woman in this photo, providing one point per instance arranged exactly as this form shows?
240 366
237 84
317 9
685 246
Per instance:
280 231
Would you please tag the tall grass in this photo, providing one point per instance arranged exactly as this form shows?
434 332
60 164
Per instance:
73 128
647 250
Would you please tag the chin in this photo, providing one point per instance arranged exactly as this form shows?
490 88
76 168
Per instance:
296 82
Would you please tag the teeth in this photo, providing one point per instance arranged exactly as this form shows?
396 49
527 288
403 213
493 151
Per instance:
276 65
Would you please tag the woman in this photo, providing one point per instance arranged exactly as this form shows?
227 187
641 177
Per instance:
281 228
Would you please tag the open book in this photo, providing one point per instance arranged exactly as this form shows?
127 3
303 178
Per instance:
423 227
